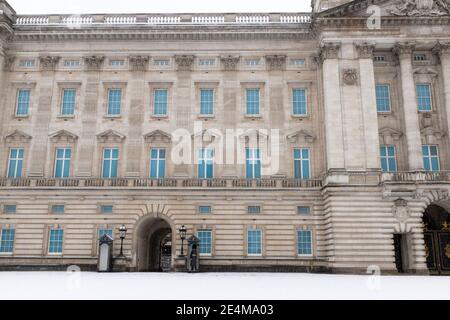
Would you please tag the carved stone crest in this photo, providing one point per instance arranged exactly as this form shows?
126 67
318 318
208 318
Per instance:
184 62
350 76
94 62
230 63
400 210
139 63
48 63
421 8
276 62
8 64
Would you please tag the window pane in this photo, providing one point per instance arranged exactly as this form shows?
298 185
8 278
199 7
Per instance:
254 242
303 210
23 102
56 238
114 101
106 209
68 102
299 101
15 163
10 208
252 96
383 98
207 101
7 240
160 102
304 242
423 92
102 232
205 243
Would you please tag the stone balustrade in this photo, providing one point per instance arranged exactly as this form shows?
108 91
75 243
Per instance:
164 19
416 176
159 183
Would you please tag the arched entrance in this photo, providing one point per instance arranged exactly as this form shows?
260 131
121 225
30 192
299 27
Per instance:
436 226
154 245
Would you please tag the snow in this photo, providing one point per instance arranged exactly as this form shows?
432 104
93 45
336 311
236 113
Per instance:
217 286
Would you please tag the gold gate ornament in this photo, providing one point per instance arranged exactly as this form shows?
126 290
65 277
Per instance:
447 251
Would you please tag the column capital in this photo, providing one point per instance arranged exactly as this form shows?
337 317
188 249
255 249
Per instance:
139 63
403 48
442 49
184 62
365 50
48 63
329 50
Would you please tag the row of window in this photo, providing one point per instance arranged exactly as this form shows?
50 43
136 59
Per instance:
161 102
157 167
254 241
202 62
423 96
430 154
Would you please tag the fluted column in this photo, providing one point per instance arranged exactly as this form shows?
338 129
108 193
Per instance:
443 51
368 105
410 114
332 105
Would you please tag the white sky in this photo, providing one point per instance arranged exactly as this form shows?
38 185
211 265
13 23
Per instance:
157 6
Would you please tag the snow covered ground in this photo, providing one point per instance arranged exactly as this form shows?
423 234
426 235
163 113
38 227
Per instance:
218 286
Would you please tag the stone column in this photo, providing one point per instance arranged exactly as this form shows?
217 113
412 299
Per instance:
369 106
332 105
410 114
443 51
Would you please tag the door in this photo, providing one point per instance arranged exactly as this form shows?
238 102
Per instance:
437 251
399 255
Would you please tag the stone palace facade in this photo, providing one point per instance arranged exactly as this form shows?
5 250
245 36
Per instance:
312 142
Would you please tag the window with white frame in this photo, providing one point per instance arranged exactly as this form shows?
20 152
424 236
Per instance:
299 102
430 155
106 209
160 100
62 162
58 209
206 163
110 163
7 240
420 57
254 242
304 242
68 101
205 242
423 93
298 62
204 209
72 63
9 208
15 163
114 102
206 101
27 63
252 62
388 158
383 97
303 210
161 62
206 62
252 100
379 58
117 63
23 102
157 163
253 163
302 163
254 209
55 241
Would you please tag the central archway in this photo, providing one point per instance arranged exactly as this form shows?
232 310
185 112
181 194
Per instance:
152 250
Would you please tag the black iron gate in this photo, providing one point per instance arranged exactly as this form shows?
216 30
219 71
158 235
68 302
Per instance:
437 248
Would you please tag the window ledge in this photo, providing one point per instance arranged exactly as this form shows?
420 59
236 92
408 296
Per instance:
112 116
206 116
300 116
305 257
25 116
385 113
253 116
162 116
65 116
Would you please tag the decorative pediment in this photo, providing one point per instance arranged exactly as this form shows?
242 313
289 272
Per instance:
425 70
207 135
301 136
431 135
420 8
184 62
110 136
157 136
17 136
63 136
389 135
256 134
48 63
230 63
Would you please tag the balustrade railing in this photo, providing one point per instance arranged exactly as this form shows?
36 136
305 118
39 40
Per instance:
158 183
416 176
164 19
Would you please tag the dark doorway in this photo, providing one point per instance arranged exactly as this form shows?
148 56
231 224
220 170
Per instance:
399 253
436 230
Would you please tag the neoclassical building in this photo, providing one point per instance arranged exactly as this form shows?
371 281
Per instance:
310 142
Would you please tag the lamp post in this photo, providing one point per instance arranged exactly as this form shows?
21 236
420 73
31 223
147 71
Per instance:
122 233
182 232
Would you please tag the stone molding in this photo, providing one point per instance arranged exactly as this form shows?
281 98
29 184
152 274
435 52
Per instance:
276 62
230 63
442 49
184 62
139 63
94 63
63 136
388 135
328 50
365 50
8 64
110 136
157 136
48 63
419 8
301 136
350 76
17 136
403 49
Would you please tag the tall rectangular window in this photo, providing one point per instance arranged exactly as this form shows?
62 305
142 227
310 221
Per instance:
102 232
423 92
252 101
304 242
110 163
157 163
253 163
301 163
7 240
205 244
160 102
430 158
23 102
388 158
55 241
15 163
68 102
114 101
383 97
62 162
254 242
206 101
299 104
206 163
